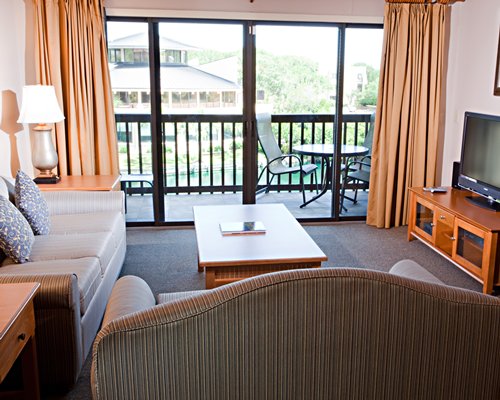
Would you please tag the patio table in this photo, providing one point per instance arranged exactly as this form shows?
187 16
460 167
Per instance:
326 152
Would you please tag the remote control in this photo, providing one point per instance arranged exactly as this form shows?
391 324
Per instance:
436 189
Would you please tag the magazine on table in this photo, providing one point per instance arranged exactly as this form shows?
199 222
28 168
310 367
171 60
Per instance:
242 228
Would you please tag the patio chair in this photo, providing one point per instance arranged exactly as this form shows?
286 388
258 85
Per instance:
357 170
277 162
126 181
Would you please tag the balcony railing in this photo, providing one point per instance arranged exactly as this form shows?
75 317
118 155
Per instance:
203 153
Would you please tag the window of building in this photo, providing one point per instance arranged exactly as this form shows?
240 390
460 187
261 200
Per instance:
145 98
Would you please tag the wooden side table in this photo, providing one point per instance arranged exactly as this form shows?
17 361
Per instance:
17 335
84 183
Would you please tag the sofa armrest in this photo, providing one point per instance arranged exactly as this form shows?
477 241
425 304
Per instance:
84 202
57 327
130 294
413 270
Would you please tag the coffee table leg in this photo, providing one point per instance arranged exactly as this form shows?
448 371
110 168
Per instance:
210 278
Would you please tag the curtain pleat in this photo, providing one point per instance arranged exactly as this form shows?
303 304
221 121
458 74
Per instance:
408 109
71 54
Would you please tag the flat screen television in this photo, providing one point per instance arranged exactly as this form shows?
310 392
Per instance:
480 159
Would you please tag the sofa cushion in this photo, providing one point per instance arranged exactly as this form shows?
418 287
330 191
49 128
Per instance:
90 223
16 236
86 269
70 247
31 203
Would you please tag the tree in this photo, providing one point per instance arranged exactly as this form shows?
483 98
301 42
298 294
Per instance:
368 95
293 84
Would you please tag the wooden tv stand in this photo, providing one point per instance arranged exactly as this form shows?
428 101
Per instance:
464 233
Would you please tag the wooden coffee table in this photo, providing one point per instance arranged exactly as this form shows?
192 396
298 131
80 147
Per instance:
284 245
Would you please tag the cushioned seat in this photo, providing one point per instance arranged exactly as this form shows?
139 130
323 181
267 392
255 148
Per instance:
85 223
90 223
319 333
68 247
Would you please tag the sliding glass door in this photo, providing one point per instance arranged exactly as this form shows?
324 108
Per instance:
363 49
187 95
296 83
128 56
201 115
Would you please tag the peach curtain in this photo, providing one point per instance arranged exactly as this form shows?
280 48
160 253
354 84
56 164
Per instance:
408 109
71 54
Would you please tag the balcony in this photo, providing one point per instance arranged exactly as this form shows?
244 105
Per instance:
202 159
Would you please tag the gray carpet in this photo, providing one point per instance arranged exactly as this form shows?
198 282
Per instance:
166 259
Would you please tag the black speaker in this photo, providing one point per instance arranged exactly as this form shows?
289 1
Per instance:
456 172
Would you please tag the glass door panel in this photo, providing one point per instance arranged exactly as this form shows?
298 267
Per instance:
296 85
470 247
424 221
363 50
128 57
201 113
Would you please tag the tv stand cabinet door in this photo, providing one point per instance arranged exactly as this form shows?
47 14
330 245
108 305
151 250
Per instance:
475 250
422 219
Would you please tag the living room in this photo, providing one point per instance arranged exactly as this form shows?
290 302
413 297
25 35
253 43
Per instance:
471 67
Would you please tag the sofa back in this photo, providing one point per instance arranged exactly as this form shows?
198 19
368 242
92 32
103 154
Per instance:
306 334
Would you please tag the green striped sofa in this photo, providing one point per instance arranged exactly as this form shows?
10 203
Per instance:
302 334
77 264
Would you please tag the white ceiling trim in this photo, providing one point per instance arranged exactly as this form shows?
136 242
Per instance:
129 12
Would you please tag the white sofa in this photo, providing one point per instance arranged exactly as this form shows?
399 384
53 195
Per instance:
77 265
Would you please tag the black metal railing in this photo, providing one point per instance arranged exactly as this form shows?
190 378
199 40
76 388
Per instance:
203 153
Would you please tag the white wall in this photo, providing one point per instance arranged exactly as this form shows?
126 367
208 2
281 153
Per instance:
475 27
12 79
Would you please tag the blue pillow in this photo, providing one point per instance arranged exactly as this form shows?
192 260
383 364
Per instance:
16 236
31 203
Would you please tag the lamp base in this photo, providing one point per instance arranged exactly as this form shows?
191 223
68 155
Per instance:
47 179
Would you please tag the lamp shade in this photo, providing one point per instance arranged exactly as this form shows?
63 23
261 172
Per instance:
40 105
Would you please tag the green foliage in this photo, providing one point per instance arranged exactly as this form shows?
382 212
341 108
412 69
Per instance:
368 96
293 84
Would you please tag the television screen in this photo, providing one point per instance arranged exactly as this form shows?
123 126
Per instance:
480 161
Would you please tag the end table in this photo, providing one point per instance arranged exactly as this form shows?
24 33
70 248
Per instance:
17 335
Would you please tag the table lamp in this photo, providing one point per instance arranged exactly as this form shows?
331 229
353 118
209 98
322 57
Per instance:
40 107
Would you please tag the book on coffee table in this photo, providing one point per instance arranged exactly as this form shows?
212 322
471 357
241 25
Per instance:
242 228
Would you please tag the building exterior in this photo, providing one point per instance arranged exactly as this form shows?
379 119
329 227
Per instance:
185 88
